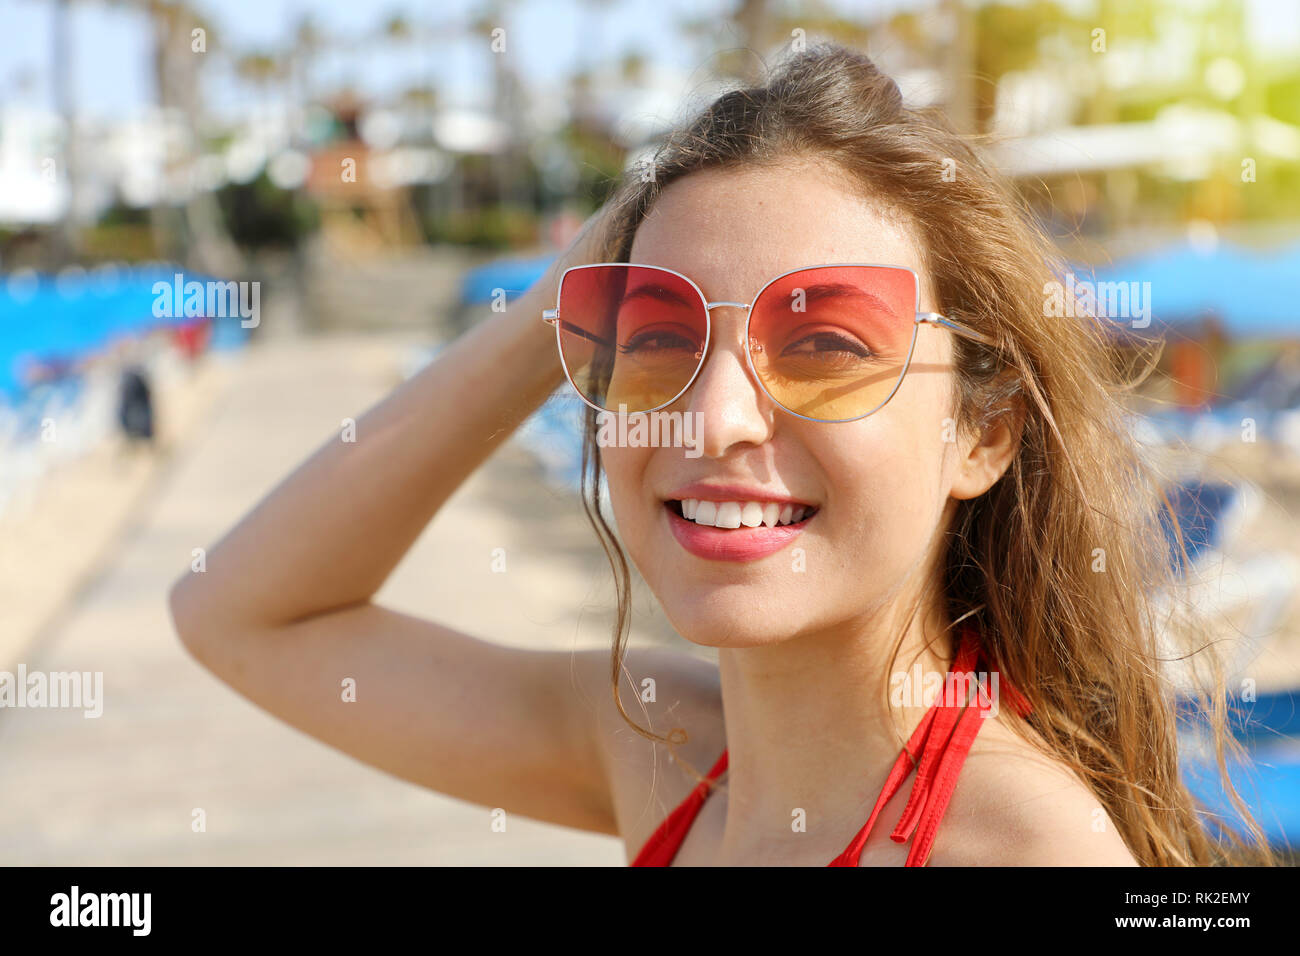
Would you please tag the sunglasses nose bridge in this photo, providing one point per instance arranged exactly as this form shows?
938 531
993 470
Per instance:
754 344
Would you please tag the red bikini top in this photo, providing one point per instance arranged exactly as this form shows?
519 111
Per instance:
942 739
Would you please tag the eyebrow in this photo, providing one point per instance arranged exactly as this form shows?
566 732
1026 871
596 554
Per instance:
814 293
652 290
846 290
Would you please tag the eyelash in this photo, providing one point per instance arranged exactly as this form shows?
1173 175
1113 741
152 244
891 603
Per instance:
848 344
638 340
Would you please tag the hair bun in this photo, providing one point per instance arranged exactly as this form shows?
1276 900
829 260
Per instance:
839 77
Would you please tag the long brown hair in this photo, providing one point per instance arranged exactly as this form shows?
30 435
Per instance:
1022 560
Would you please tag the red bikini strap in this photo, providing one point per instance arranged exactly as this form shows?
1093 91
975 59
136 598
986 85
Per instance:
902 767
926 808
939 792
663 844
936 744
942 740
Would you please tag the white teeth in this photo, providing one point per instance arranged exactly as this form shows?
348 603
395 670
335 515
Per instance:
734 514
728 515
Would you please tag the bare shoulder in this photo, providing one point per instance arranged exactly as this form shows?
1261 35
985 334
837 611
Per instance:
661 690
1015 806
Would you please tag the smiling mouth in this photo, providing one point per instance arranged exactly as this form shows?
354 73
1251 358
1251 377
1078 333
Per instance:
735 515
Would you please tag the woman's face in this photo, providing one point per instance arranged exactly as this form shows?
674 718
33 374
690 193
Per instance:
881 485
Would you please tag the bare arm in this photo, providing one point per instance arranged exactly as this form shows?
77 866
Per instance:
283 612
330 534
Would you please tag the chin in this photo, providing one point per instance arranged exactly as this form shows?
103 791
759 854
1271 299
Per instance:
731 615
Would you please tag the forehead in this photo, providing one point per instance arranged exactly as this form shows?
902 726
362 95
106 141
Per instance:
733 230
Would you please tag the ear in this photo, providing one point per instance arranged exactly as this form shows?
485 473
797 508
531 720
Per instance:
986 458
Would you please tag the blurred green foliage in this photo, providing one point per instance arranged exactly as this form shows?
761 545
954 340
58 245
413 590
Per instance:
258 214
489 227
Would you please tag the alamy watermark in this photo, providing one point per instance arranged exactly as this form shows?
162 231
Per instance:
1108 300
128 910
624 429
917 688
82 690
212 298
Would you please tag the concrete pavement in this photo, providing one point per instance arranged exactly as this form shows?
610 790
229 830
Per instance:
122 788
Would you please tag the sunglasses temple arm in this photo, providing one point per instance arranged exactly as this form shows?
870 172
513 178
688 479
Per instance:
575 330
934 318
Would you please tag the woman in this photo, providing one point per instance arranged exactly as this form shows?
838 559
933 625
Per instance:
875 492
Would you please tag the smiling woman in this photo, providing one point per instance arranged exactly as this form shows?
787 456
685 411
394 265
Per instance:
900 467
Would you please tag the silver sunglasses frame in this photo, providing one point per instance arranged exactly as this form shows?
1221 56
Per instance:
932 319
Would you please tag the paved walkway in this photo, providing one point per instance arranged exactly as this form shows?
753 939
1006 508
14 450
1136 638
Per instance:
122 789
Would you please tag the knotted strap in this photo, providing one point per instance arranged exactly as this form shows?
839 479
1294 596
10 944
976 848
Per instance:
936 750
662 846
942 739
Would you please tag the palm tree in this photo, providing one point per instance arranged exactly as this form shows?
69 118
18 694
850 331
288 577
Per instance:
261 69
751 21
175 68
507 100
397 28
65 237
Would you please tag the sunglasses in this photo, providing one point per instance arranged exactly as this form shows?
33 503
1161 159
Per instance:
827 343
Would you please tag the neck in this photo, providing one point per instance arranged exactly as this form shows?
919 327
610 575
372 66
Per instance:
810 726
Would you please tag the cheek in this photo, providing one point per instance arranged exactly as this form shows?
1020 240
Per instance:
629 495
891 473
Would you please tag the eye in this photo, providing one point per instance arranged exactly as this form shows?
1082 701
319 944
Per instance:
657 340
827 344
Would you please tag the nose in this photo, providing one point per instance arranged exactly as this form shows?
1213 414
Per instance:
733 407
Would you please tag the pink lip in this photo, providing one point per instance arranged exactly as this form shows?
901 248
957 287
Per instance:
708 492
732 544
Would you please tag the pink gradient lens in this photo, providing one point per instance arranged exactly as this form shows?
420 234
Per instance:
630 335
832 343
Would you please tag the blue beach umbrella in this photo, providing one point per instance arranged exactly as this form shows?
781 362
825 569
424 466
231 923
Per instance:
46 320
1254 294
512 275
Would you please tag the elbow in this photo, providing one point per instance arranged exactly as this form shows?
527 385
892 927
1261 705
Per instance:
184 601
204 617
